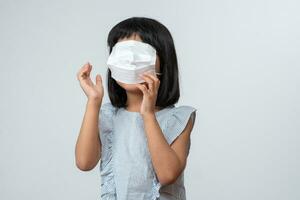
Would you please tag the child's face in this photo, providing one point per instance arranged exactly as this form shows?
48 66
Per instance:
133 87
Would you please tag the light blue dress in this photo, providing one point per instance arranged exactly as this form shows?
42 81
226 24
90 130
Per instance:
126 168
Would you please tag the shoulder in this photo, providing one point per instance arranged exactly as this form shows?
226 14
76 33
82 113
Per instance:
181 114
108 109
183 109
107 106
176 120
107 113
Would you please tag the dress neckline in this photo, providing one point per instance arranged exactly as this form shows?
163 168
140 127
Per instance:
139 114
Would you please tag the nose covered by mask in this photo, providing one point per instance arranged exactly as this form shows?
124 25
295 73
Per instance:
129 59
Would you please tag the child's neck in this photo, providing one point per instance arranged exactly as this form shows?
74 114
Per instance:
134 101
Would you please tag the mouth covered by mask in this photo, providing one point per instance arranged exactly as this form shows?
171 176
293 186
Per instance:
129 59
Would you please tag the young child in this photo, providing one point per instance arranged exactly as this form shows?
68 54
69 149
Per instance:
141 138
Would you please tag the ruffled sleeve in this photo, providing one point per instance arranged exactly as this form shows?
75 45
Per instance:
105 117
177 121
108 190
105 126
155 187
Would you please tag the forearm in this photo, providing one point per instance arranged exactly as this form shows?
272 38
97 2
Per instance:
88 144
164 159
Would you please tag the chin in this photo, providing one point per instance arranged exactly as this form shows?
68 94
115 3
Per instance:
129 87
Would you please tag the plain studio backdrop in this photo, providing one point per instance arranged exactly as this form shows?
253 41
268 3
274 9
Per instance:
239 66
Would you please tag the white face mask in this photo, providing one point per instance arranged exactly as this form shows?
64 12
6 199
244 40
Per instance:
129 59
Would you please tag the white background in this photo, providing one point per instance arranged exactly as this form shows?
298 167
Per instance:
239 66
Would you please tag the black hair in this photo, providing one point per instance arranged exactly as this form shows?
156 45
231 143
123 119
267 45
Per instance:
156 34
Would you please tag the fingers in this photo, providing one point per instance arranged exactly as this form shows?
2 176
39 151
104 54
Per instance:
84 71
87 69
149 81
152 81
98 80
143 88
156 80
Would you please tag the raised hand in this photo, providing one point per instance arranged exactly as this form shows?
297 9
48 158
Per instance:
150 91
91 90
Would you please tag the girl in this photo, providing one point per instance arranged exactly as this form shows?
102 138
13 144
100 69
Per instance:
142 139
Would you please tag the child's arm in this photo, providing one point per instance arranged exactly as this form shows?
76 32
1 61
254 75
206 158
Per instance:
88 145
168 161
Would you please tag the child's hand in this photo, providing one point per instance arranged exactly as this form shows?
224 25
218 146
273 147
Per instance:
150 90
91 90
